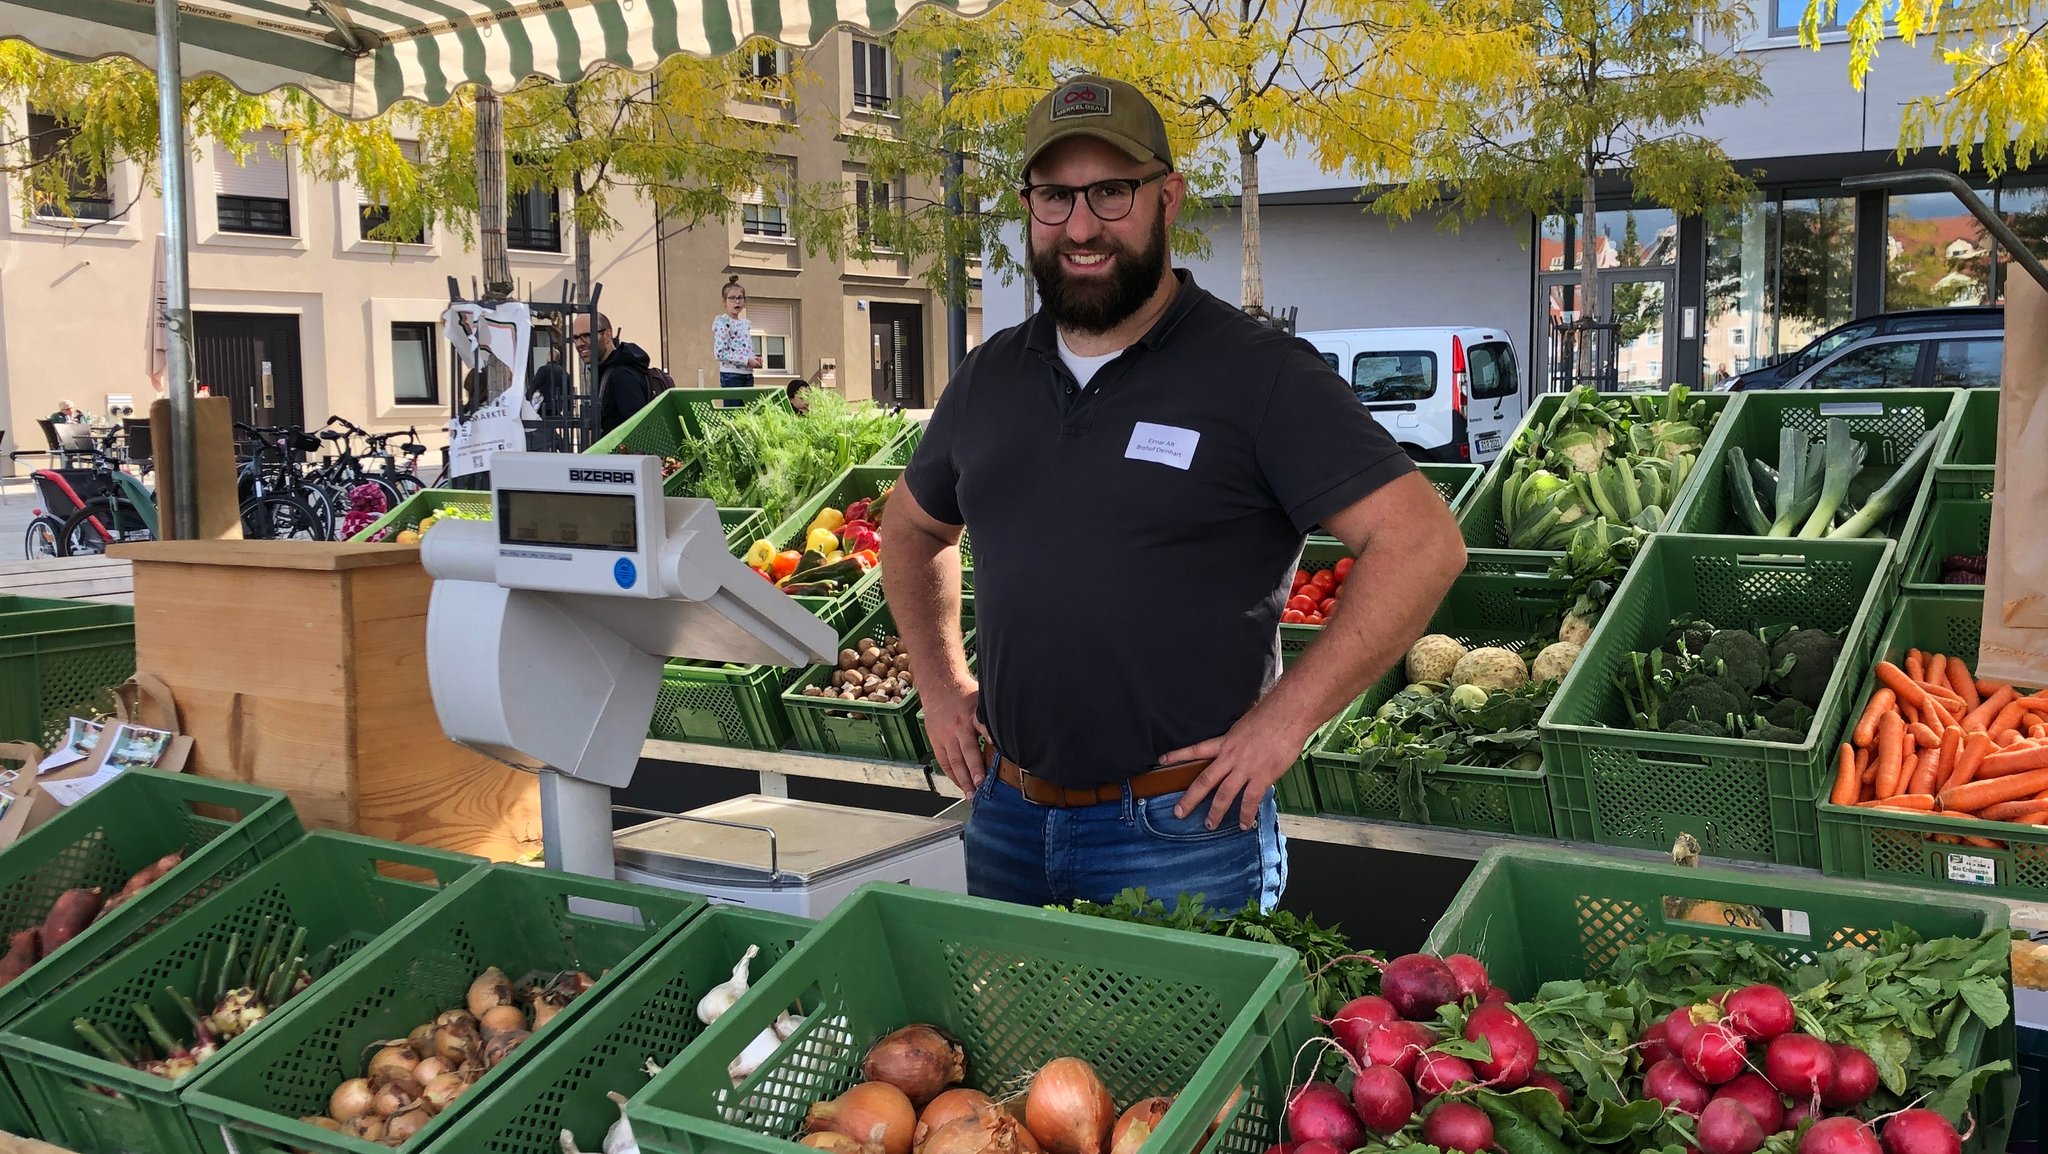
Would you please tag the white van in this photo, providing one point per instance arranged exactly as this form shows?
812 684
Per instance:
1447 394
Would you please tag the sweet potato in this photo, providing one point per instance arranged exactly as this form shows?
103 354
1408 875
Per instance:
23 950
144 878
75 910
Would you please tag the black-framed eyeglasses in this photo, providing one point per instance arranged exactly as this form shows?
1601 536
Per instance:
1109 200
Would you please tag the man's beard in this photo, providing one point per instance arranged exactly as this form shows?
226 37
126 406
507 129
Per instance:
1096 305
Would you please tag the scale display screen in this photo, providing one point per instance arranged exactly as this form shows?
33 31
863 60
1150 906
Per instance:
573 520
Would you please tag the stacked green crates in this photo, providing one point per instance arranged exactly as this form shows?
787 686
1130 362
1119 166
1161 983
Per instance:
1954 525
1966 465
57 659
1480 609
1616 785
223 829
517 918
1453 482
1155 1012
328 883
880 730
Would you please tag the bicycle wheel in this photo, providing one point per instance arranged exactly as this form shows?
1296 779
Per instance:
42 541
88 532
407 483
281 517
326 503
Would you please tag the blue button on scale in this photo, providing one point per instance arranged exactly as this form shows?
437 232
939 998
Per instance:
624 573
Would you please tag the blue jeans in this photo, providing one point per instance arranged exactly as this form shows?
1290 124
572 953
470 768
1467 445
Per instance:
733 381
1020 851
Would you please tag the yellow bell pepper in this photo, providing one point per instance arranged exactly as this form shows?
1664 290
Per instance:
760 553
821 539
828 518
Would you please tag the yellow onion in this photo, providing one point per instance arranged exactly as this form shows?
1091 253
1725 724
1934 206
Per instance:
430 1069
1067 1108
350 1100
422 1041
986 1129
490 990
499 1019
322 1122
1137 1125
440 1093
874 1113
956 1103
919 1060
392 1063
1229 1104
457 1043
369 1128
498 1045
390 1099
835 1143
404 1126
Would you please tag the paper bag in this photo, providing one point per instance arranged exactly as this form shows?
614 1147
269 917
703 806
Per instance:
2014 643
35 798
144 699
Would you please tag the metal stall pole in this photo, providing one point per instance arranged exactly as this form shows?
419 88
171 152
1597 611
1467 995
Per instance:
170 114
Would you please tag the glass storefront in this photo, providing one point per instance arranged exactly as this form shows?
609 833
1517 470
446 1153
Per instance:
1779 271
1628 238
1936 254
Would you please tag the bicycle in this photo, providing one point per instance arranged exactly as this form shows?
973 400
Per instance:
341 475
403 477
277 503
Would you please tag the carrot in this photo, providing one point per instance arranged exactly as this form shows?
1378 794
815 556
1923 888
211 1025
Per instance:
2037 732
1924 735
2013 810
2030 719
1903 684
1975 748
1978 794
1983 843
1845 777
1891 739
1951 748
1923 780
1866 768
1909 714
1959 678
1916 664
2018 760
1911 802
1944 839
1938 716
1939 692
1980 717
1987 688
1881 703
2038 817
2006 739
2008 717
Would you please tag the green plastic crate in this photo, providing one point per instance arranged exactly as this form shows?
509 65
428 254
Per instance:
1154 1011
900 450
741 525
1965 466
1479 516
20 615
852 485
1454 483
738 706
650 1016
879 731
225 829
48 675
1317 554
665 426
1536 915
518 918
1888 422
1953 525
328 883
1742 799
1899 848
1480 609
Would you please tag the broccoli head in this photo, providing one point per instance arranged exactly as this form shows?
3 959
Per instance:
1702 698
1802 663
1742 657
1692 636
1689 728
1790 713
1777 733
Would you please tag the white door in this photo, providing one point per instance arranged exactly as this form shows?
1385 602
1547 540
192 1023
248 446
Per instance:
1493 404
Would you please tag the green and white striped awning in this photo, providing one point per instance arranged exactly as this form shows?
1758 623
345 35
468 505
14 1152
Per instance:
358 57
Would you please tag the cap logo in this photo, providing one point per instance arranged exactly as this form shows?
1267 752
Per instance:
1081 100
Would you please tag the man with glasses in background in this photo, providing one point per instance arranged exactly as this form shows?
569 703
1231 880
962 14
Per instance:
623 387
1138 465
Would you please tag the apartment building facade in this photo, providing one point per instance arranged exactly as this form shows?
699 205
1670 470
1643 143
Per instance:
298 314
868 328
1698 298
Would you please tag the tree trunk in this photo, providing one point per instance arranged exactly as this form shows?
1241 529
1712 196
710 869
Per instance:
582 241
490 193
1254 290
1589 269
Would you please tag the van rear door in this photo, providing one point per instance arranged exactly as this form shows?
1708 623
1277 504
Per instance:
1493 399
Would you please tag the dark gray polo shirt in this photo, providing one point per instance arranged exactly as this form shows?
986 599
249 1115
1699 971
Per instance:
1134 540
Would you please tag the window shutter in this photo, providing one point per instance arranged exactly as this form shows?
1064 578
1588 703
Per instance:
973 328
265 175
772 319
879 69
860 66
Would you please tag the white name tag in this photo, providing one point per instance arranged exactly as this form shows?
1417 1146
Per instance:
1166 444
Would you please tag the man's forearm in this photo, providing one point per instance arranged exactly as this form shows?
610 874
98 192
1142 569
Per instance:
921 583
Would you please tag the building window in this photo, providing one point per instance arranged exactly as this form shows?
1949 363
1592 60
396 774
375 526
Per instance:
533 220
1786 15
412 364
761 210
874 75
1937 255
872 201
49 142
1628 238
773 326
1780 271
374 216
254 195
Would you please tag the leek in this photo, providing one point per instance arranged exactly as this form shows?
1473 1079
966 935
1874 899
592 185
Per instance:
1743 493
1844 455
1893 492
1798 482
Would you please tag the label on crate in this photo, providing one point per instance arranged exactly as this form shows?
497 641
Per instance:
1972 869
1852 408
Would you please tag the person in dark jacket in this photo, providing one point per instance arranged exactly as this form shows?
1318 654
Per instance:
622 384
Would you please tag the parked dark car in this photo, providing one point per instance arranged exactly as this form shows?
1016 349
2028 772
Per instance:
1781 370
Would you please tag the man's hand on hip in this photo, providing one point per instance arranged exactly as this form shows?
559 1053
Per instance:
1248 760
956 732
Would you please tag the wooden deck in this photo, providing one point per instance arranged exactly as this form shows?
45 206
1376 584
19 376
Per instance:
87 578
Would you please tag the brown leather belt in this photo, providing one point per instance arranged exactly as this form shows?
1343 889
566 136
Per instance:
1154 783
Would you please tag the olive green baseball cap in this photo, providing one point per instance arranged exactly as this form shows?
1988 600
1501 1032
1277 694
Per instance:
1108 110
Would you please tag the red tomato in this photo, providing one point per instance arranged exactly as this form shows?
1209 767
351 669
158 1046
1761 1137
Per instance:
1324 579
1343 569
1328 606
1300 579
1302 602
1293 617
1314 619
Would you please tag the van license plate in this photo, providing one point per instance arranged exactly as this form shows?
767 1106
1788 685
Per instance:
1489 442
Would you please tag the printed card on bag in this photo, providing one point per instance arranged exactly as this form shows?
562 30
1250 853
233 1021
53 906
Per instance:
1165 444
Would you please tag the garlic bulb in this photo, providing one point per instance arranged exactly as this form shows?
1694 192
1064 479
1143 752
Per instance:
750 1059
786 1024
724 994
619 1139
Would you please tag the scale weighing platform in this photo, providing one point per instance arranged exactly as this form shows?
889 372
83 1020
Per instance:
546 635
793 857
